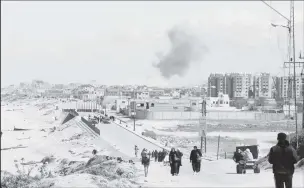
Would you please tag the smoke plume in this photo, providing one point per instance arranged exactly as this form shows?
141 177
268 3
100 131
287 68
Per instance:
186 48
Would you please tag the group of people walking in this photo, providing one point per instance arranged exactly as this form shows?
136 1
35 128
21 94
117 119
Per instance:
282 156
159 156
174 158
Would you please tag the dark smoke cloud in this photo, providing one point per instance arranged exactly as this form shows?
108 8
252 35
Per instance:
185 49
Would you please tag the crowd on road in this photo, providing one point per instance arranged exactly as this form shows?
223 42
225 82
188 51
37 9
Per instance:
173 159
282 156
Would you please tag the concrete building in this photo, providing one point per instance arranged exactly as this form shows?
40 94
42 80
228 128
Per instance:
175 94
285 86
262 86
112 92
219 83
213 85
221 101
142 95
156 92
241 83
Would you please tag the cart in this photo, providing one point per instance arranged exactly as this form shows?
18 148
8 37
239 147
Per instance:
242 165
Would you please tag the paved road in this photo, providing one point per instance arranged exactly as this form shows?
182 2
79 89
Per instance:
124 140
213 174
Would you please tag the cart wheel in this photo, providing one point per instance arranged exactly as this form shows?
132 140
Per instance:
256 170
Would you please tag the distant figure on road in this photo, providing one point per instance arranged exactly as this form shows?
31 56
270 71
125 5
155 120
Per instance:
195 159
145 160
94 152
136 150
180 155
283 157
179 159
159 156
174 162
156 155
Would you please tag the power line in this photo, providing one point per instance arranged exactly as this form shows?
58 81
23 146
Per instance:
275 10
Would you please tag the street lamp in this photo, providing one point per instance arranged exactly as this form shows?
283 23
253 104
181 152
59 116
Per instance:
276 25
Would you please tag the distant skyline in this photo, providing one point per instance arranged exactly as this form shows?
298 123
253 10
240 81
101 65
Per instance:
117 43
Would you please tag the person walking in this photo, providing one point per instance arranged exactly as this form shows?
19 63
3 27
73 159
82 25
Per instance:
136 150
283 156
173 162
145 160
159 156
195 159
179 160
238 156
155 155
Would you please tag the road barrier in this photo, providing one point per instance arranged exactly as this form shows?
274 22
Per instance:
91 125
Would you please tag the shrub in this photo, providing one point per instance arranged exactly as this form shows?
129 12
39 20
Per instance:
21 179
293 142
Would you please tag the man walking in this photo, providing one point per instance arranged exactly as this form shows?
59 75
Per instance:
283 157
173 160
195 159
155 155
145 160
179 160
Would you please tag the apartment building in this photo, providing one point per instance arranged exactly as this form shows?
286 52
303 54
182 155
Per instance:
263 85
285 87
242 84
156 92
213 85
220 83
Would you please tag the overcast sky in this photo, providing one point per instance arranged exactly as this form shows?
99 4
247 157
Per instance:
117 42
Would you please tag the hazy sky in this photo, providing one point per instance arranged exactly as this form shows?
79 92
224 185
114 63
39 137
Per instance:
117 42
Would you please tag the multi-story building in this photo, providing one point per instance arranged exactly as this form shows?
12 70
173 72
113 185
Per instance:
112 92
213 85
242 84
156 92
219 83
285 86
262 85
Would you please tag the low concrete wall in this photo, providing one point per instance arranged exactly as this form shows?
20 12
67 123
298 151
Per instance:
210 115
91 126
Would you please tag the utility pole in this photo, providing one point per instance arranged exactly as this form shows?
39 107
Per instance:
293 59
203 127
302 78
294 63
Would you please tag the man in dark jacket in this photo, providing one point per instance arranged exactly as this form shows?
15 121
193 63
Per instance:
155 155
238 156
283 157
195 159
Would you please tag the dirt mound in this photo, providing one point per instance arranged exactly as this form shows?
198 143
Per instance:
264 164
99 171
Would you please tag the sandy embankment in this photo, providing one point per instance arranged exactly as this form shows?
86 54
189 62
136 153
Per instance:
66 142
